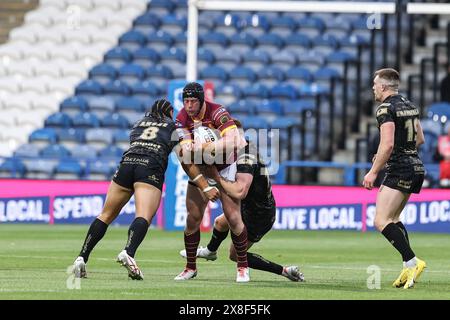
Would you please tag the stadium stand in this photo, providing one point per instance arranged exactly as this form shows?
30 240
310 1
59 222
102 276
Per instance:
307 74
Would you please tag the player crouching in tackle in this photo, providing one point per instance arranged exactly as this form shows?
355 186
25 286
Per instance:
400 135
141 172
253 188
197 113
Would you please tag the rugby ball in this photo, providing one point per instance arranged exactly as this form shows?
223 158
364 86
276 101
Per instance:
204 135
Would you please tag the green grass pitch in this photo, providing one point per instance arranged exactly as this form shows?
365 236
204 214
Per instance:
34 260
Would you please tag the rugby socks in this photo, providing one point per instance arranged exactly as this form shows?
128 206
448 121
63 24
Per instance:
240 245
403 229
191 242
95 233
396 237
216 239
136 233
255 261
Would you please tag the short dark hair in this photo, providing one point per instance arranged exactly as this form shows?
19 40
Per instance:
390 75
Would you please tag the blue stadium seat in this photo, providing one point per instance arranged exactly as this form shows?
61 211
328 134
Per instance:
159 40
256 59
71 137
55 151
255 122
39 169
256 90
176 59
101 105
73 105
180 39
214 41
270 42
242 42
296 107
217 74
255 24
83 151
88 88
68 170
285 59
227 94
283 92
12 168
312 90
118 56
85 120
116 89
338 27
27 151
242 76
325 43
43 137
298 75
122 138
205 58
283 26
325 75
284 122
270 75
111 152
99 137
312 26
227 59
98 170
227 24
146 57
144 91
147 19
174 24
103 73
160 7
430 125
311 58
206 24
131 73
129 104
58 120
295 40
338 58
241 108
159 74
427 151
269 109
132 40
115 120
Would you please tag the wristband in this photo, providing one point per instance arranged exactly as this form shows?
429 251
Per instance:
209 188
197 177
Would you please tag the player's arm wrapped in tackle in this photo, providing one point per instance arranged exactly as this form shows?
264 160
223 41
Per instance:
236 189
183 152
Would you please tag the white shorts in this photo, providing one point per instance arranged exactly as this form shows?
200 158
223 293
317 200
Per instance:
229 172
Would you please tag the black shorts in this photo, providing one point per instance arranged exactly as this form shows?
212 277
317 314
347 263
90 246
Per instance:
258 223
407 183
138 169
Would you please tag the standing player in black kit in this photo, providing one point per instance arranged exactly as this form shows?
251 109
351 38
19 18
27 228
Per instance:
141 172
400 135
